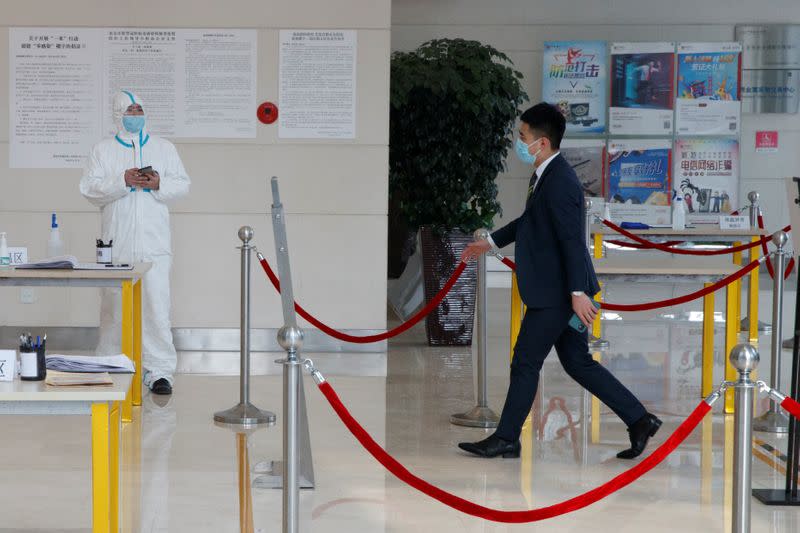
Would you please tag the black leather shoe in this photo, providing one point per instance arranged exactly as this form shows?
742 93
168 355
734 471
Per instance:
640 432
161 386
492 447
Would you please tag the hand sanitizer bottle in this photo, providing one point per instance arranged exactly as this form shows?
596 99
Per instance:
678 214
5 256
55 246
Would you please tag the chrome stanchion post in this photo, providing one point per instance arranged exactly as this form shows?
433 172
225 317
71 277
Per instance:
754 210
744 358
774 420
480 416
595 343
244 413
291 339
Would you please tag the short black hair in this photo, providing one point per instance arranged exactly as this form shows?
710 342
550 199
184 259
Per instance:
546 119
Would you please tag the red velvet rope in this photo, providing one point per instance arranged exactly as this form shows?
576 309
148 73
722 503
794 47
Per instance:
512 517
509 263
425 311
672 301
683 299
791 406
683 251
765 251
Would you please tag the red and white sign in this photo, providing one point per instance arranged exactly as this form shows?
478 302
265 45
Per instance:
766 142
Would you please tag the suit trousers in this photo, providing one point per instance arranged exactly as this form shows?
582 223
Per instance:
541 330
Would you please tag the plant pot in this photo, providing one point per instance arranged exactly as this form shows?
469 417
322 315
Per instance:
450 324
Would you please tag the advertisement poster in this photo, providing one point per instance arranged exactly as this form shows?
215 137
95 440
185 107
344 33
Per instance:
709 89
574 79
638 187
642 88
587 159
707 176
317 80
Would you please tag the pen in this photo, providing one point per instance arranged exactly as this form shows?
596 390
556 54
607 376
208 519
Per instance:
125 265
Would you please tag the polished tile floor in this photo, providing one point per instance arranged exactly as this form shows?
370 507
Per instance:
186 480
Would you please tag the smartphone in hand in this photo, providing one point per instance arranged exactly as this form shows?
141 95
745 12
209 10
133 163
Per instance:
145 170
576 323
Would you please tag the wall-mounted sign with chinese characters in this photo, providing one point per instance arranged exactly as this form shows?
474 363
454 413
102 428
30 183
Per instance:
707 176
638 186
574 79
194 83
771 62
766 142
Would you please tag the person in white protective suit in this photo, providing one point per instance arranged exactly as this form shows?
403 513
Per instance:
133 203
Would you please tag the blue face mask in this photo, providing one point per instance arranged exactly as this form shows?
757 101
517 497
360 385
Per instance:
133 123
523 154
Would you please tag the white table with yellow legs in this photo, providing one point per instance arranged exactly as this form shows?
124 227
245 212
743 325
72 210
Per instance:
130 281
103 404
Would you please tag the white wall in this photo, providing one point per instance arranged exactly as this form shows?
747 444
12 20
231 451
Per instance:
335 194
519 28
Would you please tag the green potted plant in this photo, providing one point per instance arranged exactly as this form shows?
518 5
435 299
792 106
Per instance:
453 108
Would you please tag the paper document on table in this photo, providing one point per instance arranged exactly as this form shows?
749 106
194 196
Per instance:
115 364
69 262
77 379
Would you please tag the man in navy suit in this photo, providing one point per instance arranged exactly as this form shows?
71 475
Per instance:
556 279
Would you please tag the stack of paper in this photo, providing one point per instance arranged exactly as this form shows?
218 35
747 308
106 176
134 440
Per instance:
76 379
69 262
115 364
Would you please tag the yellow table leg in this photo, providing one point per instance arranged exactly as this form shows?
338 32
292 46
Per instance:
516 313
114 465
752 313
597 331
707 379
101 483
127 342
137 342
526 462
598 245
731 338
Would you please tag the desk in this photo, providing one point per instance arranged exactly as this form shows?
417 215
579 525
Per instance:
703 233
103 404
670 269
131 283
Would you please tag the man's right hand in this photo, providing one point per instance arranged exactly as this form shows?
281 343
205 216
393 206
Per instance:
132 177
474 250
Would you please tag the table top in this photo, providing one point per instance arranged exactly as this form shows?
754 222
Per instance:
665 266
704 230
138 271
37 391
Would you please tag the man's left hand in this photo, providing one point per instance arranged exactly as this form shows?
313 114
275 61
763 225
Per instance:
584 308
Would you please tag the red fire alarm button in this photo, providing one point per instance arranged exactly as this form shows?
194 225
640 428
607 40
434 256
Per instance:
267 113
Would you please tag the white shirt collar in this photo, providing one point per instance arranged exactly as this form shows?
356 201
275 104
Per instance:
541 168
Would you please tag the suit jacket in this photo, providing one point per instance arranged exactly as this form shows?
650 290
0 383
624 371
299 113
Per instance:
551 254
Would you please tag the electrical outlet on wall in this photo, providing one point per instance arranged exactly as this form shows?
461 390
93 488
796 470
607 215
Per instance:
27 295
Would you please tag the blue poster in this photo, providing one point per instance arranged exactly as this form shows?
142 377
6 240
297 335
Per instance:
574 77
709 76
639 177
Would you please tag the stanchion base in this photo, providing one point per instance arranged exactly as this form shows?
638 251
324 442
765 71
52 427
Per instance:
788 344
245 414
597 343
478 417
763 327
775 497
771 422
271 476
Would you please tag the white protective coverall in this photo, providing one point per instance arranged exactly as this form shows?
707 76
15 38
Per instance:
138 222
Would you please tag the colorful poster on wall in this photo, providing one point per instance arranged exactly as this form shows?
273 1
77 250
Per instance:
574 79
707 176
709 94
587 159
638 187
642 88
